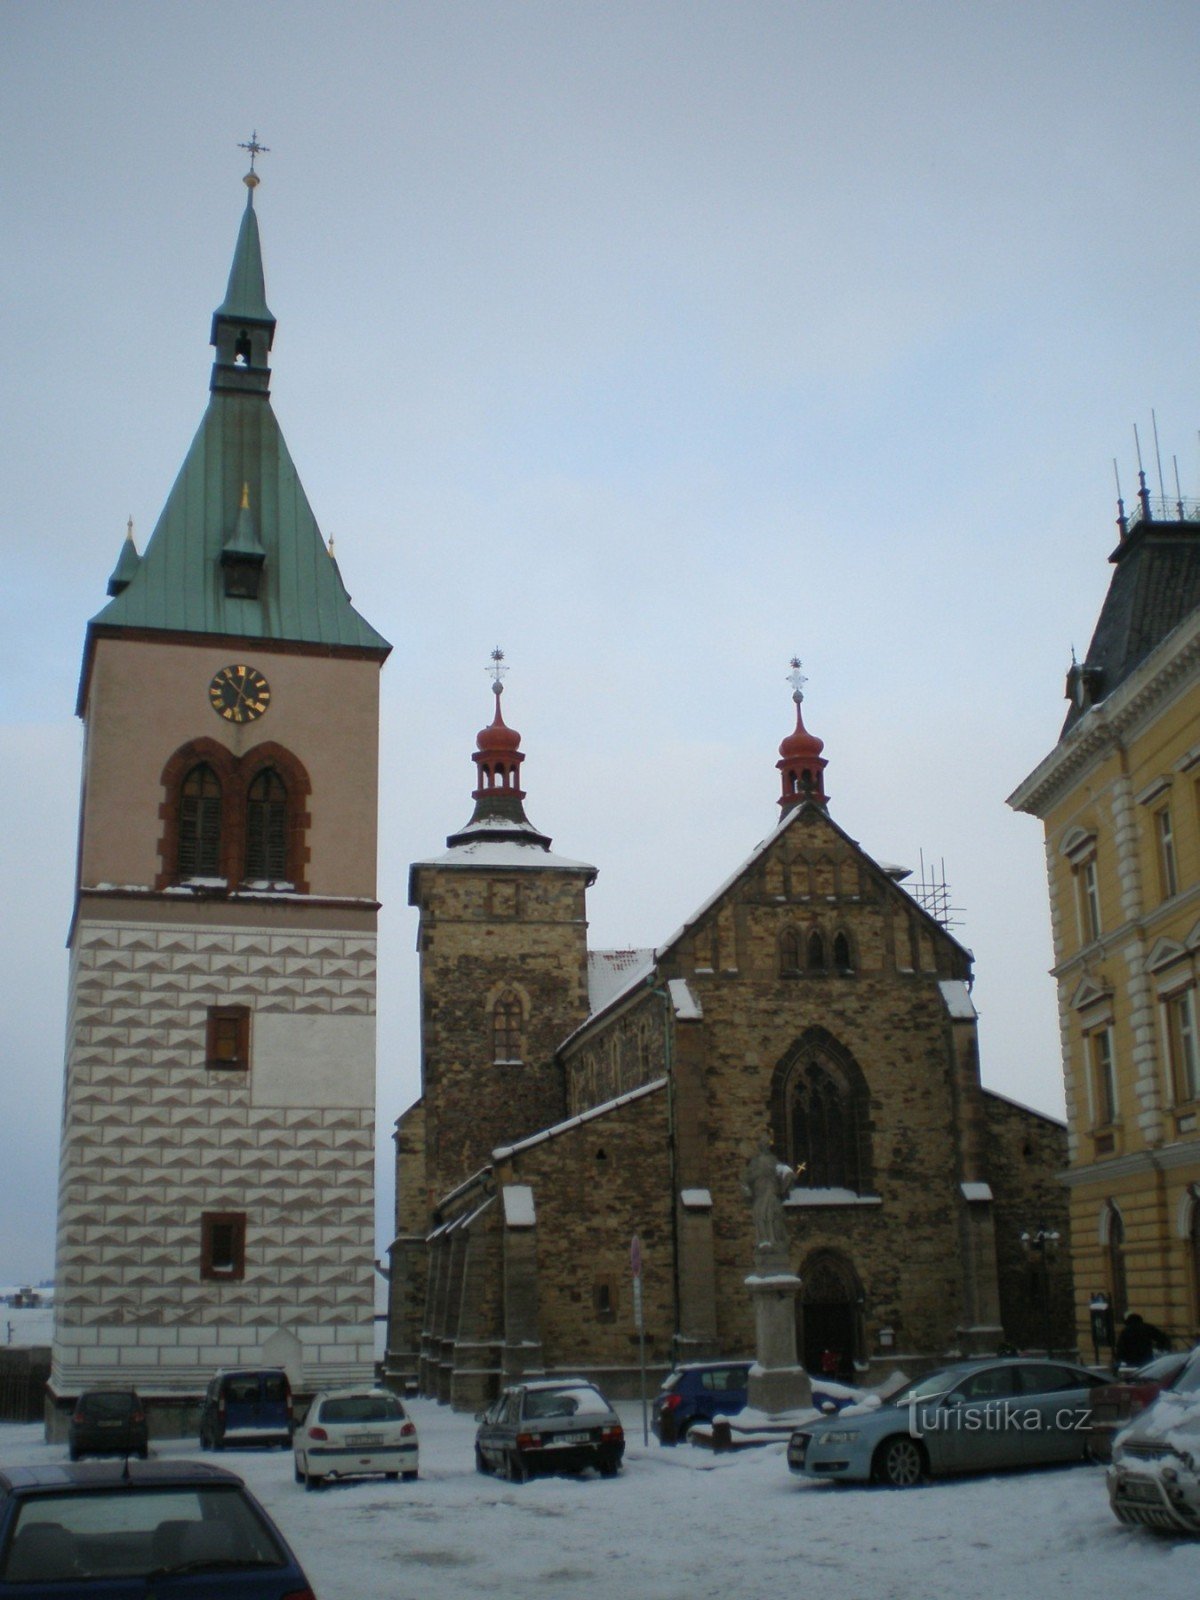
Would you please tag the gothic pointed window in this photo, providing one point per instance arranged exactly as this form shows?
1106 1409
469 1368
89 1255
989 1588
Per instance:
200 824
816 952
843 958
822 1115
266 828
789 953
507 1017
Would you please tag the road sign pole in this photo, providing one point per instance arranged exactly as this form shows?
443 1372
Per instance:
635 1264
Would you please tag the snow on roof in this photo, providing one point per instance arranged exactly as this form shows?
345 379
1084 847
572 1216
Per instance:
518 1205
958 1000
687 1006
611 972
509 853
504 1151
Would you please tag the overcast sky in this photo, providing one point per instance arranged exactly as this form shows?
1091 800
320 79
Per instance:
654 342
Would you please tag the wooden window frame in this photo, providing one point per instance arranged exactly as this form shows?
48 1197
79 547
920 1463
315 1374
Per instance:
218 1023
1183 1045
210 1222
1168 863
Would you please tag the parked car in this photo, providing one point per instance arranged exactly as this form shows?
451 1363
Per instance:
551 1425
352 1433
104 1529
108 1422
1113 1404
698 1392
974 1416
249 1406
1154 1478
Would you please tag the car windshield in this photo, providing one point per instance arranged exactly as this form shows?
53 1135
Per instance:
934 1383
106 1405
362 1408
130 1532
572 1402
1159 1370
1188 1381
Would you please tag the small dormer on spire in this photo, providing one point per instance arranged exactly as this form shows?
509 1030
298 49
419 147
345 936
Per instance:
127 563
243 555
243 327
801 764
498 796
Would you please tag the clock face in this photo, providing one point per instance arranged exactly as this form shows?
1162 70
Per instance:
239 693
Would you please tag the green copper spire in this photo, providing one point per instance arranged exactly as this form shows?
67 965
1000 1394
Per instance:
127 563
236 551
246 292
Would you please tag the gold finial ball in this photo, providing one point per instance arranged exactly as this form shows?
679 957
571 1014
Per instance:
252 179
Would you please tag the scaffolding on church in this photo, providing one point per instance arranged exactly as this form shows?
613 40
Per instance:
932 893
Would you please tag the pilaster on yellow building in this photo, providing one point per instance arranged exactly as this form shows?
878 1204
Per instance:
1119 796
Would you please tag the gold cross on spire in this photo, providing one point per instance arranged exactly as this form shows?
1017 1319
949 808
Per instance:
497 669
796 678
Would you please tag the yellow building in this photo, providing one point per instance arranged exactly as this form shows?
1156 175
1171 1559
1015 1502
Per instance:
1120 799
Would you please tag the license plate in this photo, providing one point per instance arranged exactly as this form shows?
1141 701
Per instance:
1144 1493
568 1438
364 1441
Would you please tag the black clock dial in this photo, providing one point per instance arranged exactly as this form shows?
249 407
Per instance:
239 694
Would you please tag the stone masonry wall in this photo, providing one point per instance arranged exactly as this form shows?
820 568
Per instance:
484 934
1025 1154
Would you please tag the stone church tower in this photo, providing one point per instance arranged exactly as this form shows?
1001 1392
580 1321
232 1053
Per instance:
216 1186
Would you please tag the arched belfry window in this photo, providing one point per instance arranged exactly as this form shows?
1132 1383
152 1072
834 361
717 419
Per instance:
508 1015
200 824
266 828
821 1114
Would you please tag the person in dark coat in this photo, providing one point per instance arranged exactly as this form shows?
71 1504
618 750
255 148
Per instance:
1139 1341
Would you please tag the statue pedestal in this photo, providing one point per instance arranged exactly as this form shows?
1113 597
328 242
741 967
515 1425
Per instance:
778 1382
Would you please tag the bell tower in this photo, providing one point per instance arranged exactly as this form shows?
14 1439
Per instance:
503 947
216 1197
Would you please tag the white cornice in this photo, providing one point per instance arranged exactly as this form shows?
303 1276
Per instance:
1104 727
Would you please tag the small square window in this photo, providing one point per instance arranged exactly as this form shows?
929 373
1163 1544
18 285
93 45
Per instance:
223 1244
604 1299
227 1043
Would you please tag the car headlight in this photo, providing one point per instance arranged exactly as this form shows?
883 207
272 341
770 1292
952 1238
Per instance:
840 1436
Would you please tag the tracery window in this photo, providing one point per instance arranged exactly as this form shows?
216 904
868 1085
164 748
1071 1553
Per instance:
200 824
822 1115
266 828
789 953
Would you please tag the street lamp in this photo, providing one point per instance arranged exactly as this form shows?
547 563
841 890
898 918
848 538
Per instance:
1041 1248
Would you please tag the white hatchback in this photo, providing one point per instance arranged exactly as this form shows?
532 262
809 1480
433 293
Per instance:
350 1433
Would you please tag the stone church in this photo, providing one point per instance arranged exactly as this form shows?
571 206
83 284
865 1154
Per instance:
573 1099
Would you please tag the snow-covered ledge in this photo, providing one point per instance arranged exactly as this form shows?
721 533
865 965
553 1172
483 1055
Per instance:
831 1197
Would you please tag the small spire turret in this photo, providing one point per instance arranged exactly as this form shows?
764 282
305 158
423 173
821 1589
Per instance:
127 563
498 796
801 764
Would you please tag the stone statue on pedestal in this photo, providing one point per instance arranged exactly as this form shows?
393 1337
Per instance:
778 1383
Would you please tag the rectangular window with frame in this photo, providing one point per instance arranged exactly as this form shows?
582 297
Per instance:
1168 875
223 1245
1104 1078
1183 1047
227 1038
1088 888
604 1299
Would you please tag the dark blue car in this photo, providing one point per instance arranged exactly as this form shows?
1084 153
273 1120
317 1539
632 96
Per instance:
698 1392
107 1531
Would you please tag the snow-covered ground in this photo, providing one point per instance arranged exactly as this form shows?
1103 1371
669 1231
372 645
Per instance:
682 1524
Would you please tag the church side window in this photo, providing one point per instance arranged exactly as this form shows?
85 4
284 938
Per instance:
223 1244
843 957
266 828
789 953
200 824
507 1018
816 952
